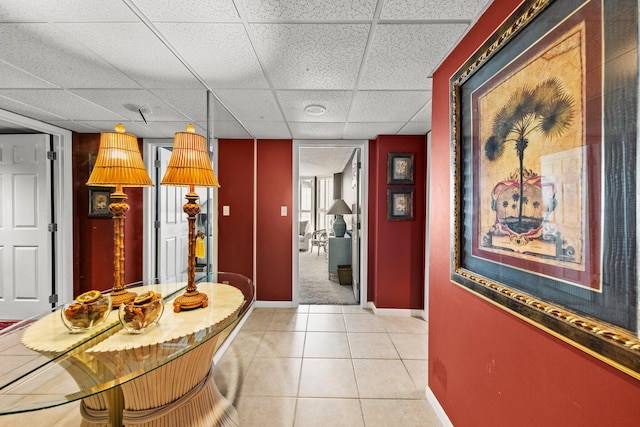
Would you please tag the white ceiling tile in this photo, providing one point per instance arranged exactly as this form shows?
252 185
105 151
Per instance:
221 54
11 77
269 130
45 52
70 11
164 129
424 115
9 104
80 127
230 129
294 102
136 51
188 10
253 105
311 56
387 106
432 9
371 130
415 128
316 10
191 103
126 103
306 130
61 103
404 56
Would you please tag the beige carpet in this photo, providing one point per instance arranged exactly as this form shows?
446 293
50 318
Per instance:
315 286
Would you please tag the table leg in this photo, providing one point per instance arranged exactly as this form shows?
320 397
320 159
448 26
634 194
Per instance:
182 392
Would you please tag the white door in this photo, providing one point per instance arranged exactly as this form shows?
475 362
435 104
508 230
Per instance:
172 244
25 241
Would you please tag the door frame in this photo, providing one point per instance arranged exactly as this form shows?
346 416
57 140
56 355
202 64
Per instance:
149 202
364 242
63 196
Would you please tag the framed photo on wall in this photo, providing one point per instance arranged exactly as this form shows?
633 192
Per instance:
99 199
544 175
400 169
399 204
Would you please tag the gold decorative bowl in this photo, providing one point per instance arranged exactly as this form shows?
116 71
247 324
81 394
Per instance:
87 311
145 311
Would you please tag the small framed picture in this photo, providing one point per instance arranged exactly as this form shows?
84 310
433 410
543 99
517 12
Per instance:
400 168
399 204
99 199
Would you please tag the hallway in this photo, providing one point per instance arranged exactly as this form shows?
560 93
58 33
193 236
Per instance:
321 365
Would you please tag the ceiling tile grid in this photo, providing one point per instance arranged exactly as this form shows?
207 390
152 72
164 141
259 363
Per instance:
45 52
336 102
432 9
403 56
187 10
311 56
269 130
309 130
254 105
386 106
83 65
134 50
310 10
12 77
355 130
67 11
221 54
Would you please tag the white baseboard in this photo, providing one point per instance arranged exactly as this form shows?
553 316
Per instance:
442 416
274 304
406 312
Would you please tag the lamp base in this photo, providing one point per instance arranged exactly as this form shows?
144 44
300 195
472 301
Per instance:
190 300
339 226
121 296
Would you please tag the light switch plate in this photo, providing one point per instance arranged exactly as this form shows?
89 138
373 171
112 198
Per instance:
283 211
225 211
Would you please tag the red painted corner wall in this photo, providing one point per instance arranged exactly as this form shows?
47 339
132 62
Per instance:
487 367
93 238
273 231
396 248
235 232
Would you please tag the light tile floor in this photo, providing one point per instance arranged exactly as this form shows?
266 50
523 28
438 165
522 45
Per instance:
316 365
324 365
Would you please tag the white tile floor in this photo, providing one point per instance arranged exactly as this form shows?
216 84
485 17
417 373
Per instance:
327 366
313 366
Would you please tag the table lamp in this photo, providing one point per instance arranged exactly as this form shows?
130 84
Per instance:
339 208
190 166
119 164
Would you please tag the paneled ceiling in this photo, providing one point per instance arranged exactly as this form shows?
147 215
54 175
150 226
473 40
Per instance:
84 65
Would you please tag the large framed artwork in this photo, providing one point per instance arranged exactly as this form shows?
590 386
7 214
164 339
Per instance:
545 178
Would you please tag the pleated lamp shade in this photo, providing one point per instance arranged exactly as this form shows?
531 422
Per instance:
189 163
119 162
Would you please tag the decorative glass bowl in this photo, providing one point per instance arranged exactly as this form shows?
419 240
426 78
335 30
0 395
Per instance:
87 311
145 311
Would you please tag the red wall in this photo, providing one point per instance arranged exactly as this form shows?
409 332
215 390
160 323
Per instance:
487 367
396 254
273 231
93 238
235 232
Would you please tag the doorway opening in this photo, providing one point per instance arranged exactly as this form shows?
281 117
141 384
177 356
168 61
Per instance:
165 228
329 190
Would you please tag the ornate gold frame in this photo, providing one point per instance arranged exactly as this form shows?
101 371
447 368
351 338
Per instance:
615 346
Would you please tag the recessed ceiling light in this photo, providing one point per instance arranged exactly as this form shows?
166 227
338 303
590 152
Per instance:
315 109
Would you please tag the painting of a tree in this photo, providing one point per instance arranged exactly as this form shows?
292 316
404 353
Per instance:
545 110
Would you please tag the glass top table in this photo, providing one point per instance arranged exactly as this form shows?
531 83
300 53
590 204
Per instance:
43 364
